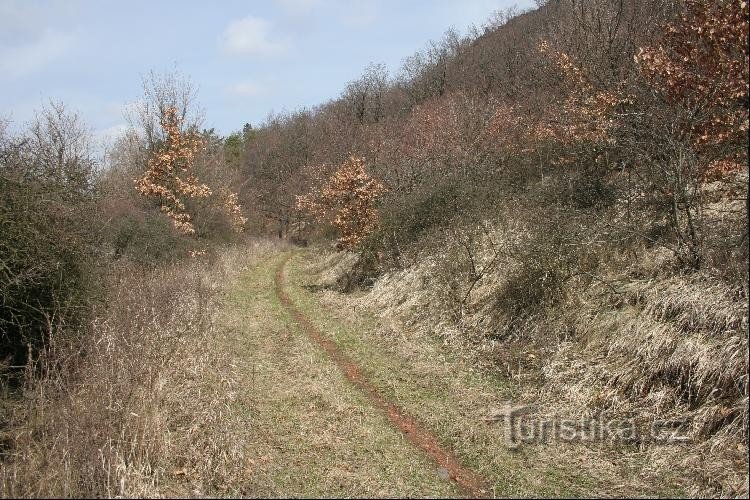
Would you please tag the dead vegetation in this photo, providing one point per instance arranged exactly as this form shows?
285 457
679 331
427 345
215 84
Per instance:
143 406
585 329
560 202
675 350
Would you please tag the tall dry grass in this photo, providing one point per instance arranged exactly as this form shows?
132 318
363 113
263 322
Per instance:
140 403
674 349
586 331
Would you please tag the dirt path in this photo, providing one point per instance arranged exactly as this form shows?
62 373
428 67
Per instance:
301 428
470 483
335 403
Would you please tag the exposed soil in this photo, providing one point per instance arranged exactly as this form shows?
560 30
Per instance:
471 483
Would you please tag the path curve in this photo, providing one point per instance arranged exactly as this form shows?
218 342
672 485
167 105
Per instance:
471 483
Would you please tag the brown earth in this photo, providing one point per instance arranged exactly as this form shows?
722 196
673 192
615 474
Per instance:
471 483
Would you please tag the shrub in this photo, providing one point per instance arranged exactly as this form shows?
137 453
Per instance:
147 239
47 252
113 413
552 253
45 258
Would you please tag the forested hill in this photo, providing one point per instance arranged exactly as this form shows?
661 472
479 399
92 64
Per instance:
469 106
569 182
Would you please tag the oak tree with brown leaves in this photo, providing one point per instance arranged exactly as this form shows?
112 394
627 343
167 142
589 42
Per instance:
347 200
169 174
701 66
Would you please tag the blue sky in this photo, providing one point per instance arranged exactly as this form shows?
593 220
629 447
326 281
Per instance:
245 58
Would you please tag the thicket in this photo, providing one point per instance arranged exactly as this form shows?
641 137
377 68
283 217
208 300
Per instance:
47 241
634 112
108 275
68 216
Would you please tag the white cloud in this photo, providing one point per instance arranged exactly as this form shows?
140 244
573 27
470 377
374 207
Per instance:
299 7
109 134
20 60
359 13
246 89
251 36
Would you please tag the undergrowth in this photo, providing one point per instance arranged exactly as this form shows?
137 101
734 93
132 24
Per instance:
138 403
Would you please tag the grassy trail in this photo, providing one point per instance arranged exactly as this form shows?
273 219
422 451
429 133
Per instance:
421 438
338 405
313 434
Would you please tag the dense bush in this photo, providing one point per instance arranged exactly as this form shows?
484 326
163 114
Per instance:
147 238
47 239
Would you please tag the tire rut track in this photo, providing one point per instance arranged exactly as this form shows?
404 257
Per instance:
470 482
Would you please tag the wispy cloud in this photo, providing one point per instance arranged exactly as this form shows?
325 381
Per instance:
252 36
359 13
111 133
299 7
246 89
23 59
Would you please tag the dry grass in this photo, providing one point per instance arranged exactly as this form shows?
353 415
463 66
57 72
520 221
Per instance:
141 403
442 387
676 349
625 340
195 382
311 432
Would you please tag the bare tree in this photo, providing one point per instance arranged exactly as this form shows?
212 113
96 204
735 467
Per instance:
365 95
58 149
170 90
426 74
